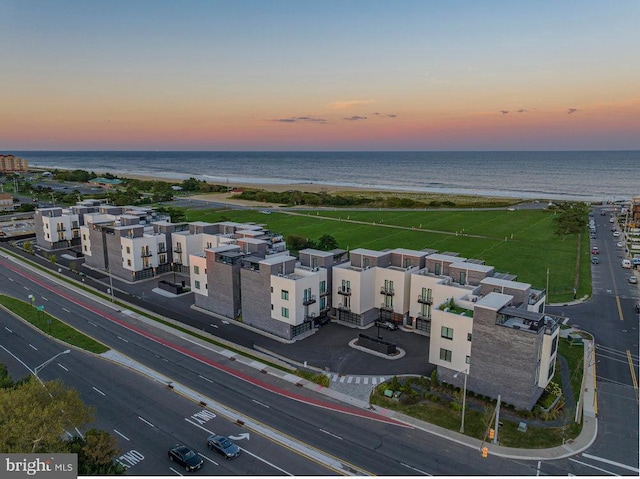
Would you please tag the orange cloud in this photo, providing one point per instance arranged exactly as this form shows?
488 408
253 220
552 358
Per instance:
349 104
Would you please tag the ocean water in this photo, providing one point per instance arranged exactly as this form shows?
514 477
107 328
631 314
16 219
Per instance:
564 175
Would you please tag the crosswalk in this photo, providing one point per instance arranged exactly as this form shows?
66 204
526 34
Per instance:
358 380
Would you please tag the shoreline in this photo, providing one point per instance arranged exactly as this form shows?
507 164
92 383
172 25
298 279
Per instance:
275 185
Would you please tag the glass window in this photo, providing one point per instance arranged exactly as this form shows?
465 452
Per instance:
445 355
285 312
468 336
197 283
284 295
446 333
467 359
196 269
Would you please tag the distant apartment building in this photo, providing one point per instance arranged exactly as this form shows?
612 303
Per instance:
6 202
13 164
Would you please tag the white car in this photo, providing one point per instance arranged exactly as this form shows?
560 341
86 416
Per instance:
619 244
616 234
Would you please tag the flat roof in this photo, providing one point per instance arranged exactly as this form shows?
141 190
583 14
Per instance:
445 257
494 300
483 268
369 252
505 283
251 240
411 252
277 259
317 252
521 313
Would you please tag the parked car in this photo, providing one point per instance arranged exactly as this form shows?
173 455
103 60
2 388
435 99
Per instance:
616 234
186 457
595 250
619 244
390 325
595 260
633 279
223 445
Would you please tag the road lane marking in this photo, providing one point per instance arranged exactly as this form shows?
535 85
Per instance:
330 434
62 367
538 470
208 459
206 379
261 404
65 309
619 308
144 420
120 434
97 390
415 469
8 329
609 461
171 468
597 468
122 339
632 369
31 345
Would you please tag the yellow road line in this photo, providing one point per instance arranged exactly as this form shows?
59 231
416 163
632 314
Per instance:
634 380
619 309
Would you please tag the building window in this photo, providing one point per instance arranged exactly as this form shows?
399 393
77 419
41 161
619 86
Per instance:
85 247
272 289
467 359
445 355
128 250
552 370
554 345
84 237
196 269
128 262
323 286
446 333
438 269
284 295
285 312
468 336
197 283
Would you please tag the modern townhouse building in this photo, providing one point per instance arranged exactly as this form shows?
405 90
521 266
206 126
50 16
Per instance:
126 242
375 285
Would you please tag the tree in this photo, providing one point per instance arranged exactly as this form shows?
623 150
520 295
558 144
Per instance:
34 418
97 453
327 242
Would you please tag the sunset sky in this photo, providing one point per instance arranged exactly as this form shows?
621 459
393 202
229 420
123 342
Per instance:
319 75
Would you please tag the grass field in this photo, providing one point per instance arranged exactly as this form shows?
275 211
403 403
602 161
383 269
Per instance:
520 242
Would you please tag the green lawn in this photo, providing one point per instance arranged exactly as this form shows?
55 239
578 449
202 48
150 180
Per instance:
51 325
520 242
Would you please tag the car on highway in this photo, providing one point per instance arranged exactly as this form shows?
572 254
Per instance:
595 250
223 445
186 457
390 325
595 260
633 280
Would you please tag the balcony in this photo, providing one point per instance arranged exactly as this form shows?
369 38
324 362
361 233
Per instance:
425 299
344 291
177 249
342 307
423 317
387 291
146 253
309 300
324 293
162 249
386 307
60 228
309 317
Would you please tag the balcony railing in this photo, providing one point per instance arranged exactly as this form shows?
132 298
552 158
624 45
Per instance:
145 254
342 307
162 249
345 291
324 293
309 317
177 249
423 317
387 291
386 307
309 300
425 299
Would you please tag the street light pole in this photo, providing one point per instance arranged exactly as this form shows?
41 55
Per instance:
43 365
464 395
